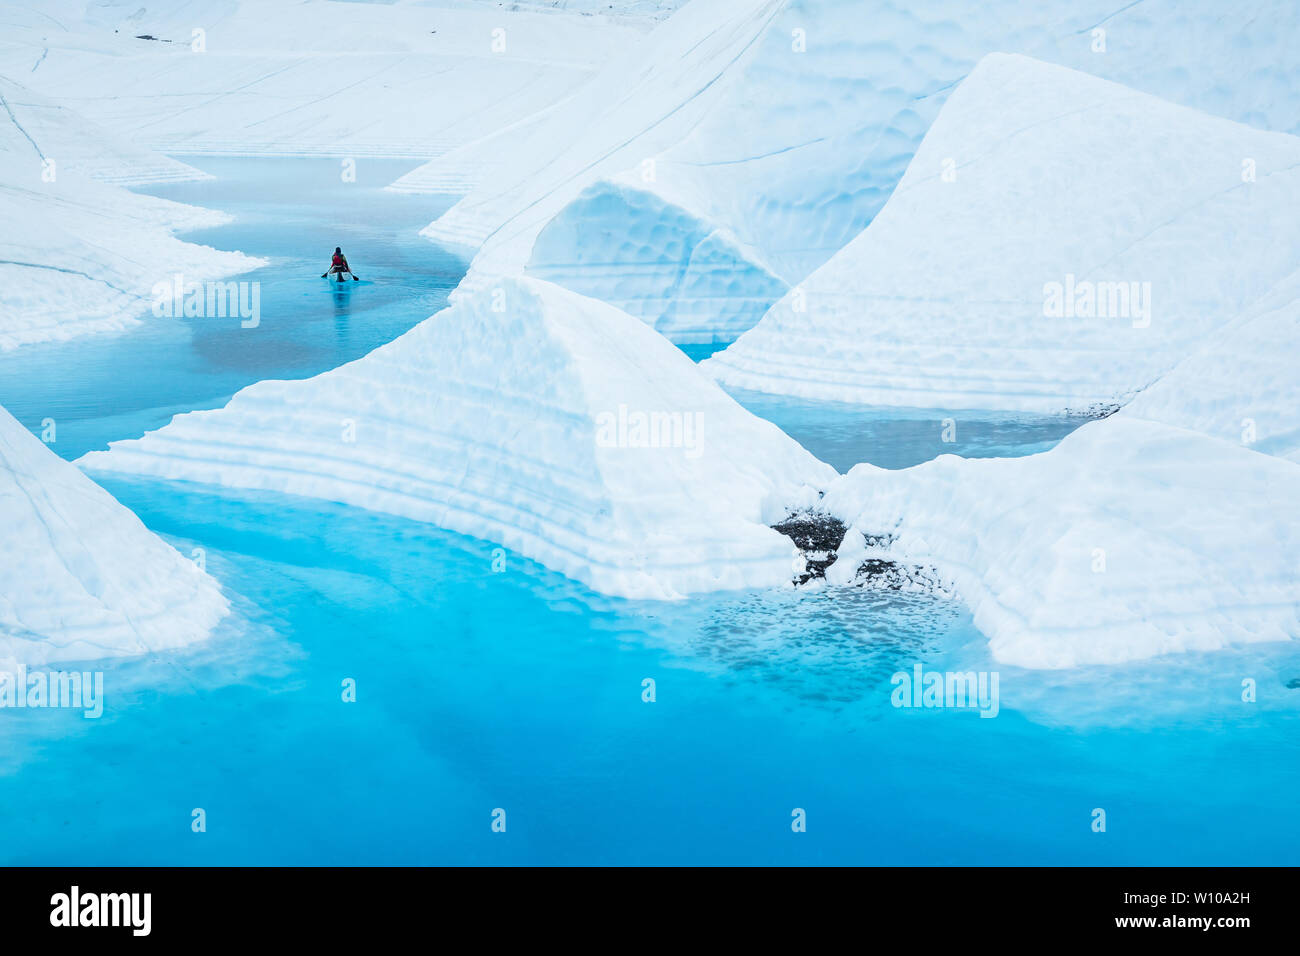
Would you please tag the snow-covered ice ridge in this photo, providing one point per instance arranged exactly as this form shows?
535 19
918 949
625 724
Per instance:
80 576
746 142
79 255
1128 540
284 77
1058 243
529 416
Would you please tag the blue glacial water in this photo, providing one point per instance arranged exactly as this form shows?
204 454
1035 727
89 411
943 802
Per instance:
484 681
843 435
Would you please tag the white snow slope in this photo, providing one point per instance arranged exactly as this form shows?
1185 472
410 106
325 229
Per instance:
1128 540
80 576
289 77
73 144
79 256
1058 181
634 107
499 417
744 143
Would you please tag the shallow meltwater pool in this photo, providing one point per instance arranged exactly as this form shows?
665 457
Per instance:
843 435
745 727
293 213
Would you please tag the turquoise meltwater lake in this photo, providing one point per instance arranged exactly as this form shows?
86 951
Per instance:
487 683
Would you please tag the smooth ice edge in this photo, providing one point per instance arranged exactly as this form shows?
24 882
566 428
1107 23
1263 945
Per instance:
486 419
82 577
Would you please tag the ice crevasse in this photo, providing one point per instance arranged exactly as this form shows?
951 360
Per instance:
529 416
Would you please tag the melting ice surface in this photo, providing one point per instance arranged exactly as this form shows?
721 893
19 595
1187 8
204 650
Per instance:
485 681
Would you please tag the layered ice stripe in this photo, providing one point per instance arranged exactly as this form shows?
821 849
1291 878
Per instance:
527 415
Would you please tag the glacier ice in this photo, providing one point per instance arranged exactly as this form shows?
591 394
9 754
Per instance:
83 255
74 144
1172 525
835 185
1128 540
785 127
281 77
692 282
80 576
633 108
530 416
1038 184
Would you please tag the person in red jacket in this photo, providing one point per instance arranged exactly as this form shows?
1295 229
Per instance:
338 264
